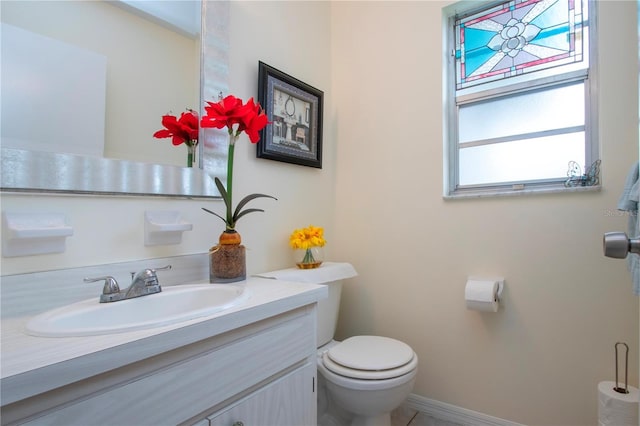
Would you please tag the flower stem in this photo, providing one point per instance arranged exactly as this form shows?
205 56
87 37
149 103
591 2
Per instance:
190 158
308 257
232 147
191 152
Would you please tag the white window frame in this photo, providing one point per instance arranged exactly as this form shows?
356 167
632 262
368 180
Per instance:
451 189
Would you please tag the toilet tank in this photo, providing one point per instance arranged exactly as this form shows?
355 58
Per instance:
331 274
328 313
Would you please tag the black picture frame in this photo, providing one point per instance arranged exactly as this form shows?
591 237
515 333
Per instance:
294 109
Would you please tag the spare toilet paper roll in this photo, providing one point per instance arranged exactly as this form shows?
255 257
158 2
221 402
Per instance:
482 295
614 408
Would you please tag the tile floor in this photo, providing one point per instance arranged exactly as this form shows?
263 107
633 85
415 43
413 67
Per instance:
404 416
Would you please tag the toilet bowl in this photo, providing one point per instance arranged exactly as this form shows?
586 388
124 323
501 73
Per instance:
368 376
363 378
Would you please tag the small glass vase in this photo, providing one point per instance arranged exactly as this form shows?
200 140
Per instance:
227 260
308 258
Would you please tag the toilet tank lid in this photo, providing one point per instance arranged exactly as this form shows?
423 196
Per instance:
327 272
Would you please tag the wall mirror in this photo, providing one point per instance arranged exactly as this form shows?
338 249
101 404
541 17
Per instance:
85 89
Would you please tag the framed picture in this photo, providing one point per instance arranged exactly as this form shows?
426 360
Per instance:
294 132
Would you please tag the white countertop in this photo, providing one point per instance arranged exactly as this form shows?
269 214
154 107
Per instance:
31 365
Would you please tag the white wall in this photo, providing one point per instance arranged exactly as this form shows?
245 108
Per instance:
379 196
539 359
111 229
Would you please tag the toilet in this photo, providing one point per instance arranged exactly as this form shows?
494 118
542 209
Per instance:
368 376
363 378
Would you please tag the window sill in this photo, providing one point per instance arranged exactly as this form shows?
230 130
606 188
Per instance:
503 192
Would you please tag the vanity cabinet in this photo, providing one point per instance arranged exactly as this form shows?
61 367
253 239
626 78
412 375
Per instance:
282 402
262 373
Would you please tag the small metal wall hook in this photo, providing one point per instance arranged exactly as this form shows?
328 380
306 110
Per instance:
626 369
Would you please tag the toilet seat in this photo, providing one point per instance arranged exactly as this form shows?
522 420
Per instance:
370 358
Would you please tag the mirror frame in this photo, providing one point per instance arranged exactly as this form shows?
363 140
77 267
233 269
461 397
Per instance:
48 172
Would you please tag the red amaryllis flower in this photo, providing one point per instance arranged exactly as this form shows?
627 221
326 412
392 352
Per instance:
224 113
253 121
182 130
230 112
237 117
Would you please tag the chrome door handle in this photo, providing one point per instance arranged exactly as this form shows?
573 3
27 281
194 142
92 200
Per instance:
618 245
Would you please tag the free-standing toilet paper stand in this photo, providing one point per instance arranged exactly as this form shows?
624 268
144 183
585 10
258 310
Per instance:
626 369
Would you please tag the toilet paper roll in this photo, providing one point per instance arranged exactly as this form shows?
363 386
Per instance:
482 295
616 408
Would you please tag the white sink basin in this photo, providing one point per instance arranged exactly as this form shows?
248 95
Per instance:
172 305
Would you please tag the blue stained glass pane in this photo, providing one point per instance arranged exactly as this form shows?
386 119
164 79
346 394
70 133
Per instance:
478 57
516 37
553 16
474 38
555 38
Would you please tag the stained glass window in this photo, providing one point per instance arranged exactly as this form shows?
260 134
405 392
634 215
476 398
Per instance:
517 37
521 101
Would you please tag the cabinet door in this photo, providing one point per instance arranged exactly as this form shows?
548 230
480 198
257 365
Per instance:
287 401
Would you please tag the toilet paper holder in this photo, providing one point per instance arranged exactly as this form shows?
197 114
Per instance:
500 280
626 369
500 288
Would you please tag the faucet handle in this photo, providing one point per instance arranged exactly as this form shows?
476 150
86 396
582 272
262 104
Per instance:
148 276
110 284
151 276
110 291
164 268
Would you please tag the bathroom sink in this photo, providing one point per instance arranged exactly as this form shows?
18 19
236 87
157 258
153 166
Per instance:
173 305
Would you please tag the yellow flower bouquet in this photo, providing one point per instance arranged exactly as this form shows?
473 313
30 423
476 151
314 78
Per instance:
307 243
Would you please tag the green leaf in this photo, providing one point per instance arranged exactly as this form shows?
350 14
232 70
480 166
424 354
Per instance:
223 192
215 214
248 198
231 220
239 212
226 197
245 212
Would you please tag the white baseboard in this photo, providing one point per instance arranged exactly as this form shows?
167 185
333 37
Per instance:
455 414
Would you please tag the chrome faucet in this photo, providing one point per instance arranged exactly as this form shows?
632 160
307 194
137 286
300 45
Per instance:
143 283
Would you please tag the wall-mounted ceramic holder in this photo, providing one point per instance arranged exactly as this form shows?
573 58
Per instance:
26 234
164 227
